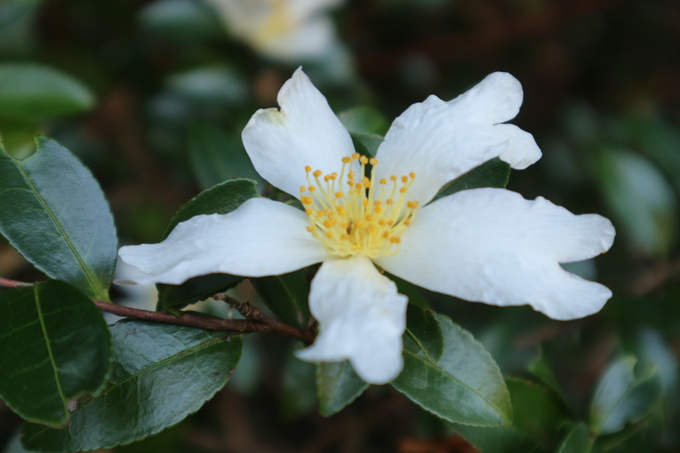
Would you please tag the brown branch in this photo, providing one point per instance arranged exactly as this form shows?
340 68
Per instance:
12 283
261 324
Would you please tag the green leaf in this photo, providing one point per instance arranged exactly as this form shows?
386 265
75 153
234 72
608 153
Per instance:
220 199
624 395
54 347
161 374
337 385
493 173
364 119
54 213
366 144
530 399
540 368
641 199
424 329
175 297
216 157
298 395
464 386
32 91
497 440
286 296
578 440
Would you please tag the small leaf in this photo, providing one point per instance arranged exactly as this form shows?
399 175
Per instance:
286 296
161 374
493 173
337 385
364 119
54 213
365 143
220 199
464 386
578 440
624 396
54 346
31 91
216 157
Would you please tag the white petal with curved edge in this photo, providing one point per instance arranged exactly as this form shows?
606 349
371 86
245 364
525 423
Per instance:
496 99
440 141
303 132
261 237
361 318
493 246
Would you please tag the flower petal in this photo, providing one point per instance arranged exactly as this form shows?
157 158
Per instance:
308 40
261 237
440 141
361 318
493 246
303 132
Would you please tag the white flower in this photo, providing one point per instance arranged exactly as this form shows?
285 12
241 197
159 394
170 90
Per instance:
288 30
486 245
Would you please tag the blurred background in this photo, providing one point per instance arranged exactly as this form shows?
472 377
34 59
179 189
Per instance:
156 93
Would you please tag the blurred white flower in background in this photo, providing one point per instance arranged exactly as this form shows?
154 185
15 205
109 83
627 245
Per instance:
287 30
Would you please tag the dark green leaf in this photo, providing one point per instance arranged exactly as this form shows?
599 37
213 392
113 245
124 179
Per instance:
298 395
364 119
31 91
365 143
337 385
528 401
497 440
194 290
540 368
54 213
216 157
220 199
161 374
578 440
624 395
54 347
493 173
464 386
286 296
424 329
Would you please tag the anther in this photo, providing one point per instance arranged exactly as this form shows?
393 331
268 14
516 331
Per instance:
317 173
308 168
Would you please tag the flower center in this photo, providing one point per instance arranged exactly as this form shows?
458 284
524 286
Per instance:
353 214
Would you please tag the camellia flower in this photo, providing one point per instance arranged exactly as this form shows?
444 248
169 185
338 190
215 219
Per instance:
364 215
290 30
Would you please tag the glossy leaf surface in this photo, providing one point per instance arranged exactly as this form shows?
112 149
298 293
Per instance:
161 374
54 213
54 347
337 385
464 386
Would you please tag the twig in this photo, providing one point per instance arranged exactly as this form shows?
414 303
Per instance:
12 283
247 310
263 324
